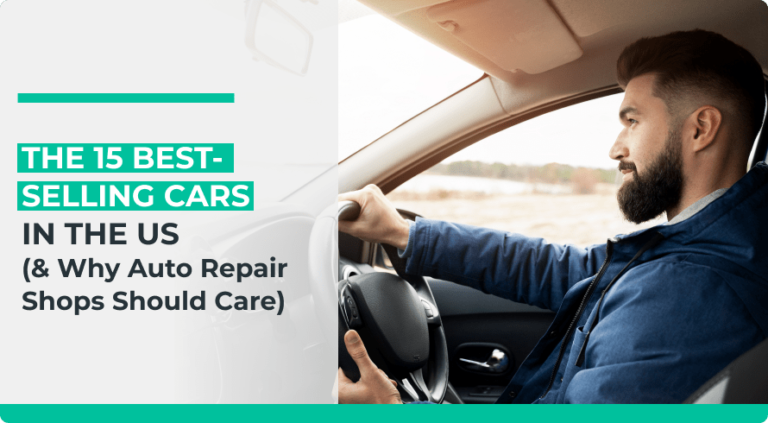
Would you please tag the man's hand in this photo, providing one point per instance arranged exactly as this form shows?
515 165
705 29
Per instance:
379 221
374 387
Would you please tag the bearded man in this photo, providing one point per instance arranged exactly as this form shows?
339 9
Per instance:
650 316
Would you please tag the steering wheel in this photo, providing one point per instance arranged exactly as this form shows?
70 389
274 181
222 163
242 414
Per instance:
397 318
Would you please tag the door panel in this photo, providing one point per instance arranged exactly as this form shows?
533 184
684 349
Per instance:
474 320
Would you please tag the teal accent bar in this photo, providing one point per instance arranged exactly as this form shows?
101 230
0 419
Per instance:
384 413
126 98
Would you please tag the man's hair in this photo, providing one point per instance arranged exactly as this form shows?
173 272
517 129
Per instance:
700 64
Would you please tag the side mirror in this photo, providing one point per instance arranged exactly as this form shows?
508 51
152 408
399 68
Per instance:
274 36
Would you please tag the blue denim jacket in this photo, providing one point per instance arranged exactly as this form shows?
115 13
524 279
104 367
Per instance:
679 313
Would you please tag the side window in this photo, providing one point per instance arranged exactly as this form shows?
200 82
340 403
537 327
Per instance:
549 177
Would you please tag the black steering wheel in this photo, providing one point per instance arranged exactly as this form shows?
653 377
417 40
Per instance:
397 318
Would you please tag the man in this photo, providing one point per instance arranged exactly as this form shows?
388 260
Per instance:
650 316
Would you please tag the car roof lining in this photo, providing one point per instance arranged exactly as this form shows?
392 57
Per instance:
591 23
510 34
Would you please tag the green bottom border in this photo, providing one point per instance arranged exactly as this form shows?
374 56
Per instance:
385 413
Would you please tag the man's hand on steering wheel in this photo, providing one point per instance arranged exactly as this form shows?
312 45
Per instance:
379 221
374 386
408 333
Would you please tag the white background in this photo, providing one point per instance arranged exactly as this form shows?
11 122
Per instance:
284 129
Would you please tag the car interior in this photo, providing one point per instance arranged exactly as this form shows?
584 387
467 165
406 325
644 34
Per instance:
538 56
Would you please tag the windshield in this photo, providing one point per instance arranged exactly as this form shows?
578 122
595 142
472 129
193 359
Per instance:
387 75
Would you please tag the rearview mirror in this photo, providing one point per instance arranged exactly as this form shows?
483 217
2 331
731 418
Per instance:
274 36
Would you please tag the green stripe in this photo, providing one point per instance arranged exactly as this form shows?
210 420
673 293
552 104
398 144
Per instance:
384 414
126 98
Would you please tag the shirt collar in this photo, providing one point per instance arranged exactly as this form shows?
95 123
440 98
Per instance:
697 206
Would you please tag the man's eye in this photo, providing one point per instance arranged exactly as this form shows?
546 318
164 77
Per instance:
631 121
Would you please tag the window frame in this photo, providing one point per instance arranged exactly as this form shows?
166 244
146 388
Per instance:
480 134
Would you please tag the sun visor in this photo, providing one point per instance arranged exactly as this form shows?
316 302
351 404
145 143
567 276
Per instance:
514 34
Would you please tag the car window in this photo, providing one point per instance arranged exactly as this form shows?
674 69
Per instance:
548 177
387 75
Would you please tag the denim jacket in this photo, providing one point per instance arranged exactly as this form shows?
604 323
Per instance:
648 330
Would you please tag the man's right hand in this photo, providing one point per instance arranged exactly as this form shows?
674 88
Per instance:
374 386
379 221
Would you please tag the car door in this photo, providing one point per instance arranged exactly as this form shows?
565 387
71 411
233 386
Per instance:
549 177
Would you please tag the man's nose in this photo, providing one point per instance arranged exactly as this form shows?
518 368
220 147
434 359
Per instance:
619 149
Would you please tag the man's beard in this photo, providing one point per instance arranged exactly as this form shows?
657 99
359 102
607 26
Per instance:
659 188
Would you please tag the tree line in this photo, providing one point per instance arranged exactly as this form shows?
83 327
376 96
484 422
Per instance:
582 179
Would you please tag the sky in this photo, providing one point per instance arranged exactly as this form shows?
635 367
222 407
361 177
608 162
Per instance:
579 135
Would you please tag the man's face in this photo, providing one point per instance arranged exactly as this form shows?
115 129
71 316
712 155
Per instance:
649 151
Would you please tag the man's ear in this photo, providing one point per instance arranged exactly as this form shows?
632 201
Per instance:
706 122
